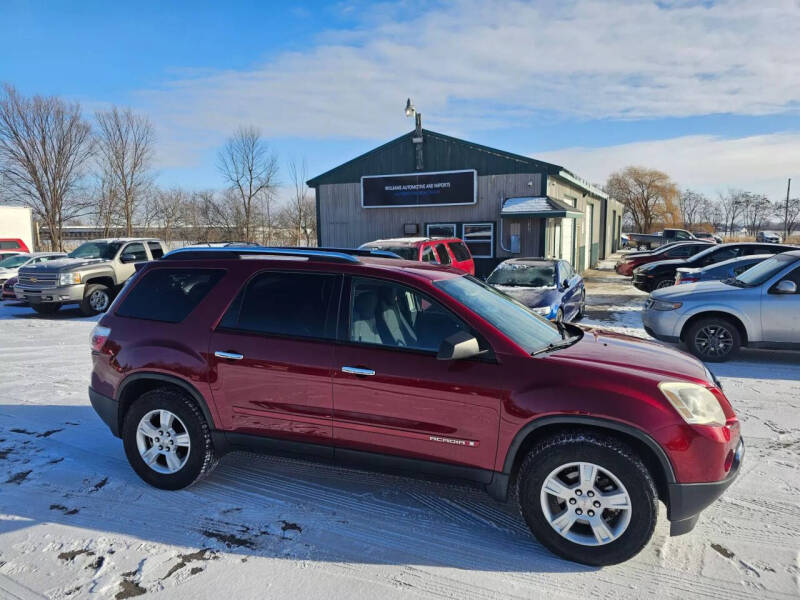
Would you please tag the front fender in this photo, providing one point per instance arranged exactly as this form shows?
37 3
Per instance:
752 324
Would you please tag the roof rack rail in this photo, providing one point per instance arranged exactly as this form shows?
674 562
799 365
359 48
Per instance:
353 251
338 255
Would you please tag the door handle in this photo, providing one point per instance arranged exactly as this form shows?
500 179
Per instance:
228 355
358 371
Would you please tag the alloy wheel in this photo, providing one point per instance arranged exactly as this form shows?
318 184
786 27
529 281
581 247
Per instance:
586 504
714 340
163 441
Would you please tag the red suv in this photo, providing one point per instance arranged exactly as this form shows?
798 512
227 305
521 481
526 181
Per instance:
451 252
406 366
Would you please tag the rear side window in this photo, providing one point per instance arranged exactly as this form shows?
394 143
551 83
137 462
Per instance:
290 304
155 249
444 256
168 295
427 255
9 245
460 251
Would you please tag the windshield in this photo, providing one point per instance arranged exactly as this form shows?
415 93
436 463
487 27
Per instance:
528 330
105 250
520 274
407 252
14 261
758 274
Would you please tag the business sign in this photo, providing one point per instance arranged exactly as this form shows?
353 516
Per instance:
419 189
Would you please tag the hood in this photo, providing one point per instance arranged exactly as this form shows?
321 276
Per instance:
64 264
616 351
704 288
530 296
6 271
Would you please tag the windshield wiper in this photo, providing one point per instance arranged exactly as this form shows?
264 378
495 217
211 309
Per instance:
551 346
734 282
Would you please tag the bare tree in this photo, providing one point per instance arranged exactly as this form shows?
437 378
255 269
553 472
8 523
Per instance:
250 170
125 143
649 196
789 215
691 206
44 148
300 212
757 208
732 204
168 211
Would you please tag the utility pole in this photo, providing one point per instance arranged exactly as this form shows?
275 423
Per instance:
786 211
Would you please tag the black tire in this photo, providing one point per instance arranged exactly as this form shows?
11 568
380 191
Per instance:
608 454
86 304
201 458
46 309
663 282
728 343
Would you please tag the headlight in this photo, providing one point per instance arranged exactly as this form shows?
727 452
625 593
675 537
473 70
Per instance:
694 403
662 305
541 310
69 278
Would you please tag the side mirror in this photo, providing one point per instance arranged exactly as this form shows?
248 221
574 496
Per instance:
785 287
458 346
128 257
565 283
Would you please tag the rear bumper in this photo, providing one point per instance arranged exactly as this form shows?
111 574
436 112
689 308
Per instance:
687 500
107 408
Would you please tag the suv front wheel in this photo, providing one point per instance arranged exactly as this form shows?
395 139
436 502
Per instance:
588 498
167 440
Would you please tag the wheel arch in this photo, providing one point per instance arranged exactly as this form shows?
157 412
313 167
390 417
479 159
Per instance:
720 314
105 280
651 453
136 384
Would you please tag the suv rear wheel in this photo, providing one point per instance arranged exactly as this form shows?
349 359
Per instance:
96 299
588 498
167 440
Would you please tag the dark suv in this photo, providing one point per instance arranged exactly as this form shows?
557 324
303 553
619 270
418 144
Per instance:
405 366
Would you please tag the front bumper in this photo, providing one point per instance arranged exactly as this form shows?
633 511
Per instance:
687 500
107 408
643 282
68 294
662 324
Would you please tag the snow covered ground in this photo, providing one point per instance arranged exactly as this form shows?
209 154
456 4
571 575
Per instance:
76 522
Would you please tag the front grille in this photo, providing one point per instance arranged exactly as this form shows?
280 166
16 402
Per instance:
38 280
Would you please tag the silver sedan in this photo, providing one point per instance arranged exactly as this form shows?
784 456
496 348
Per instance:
759 308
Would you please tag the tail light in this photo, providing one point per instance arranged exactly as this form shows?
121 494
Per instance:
687 279
99 337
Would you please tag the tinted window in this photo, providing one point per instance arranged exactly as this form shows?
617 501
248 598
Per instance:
758 274
292 304
155 249
134 252
14 261
9 245
460 251
393 315
679 252
168 295
444 256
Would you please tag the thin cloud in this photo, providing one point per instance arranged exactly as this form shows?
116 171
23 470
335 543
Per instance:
706 163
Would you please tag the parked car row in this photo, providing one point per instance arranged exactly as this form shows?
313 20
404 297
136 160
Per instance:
720 297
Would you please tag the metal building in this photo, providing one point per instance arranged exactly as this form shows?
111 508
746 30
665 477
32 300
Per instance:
502 204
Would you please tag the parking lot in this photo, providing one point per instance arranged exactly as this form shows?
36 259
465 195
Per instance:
75 521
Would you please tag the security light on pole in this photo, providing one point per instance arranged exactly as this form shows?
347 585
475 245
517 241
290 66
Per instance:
417 139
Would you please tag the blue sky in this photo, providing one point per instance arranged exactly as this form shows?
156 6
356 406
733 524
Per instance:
709 92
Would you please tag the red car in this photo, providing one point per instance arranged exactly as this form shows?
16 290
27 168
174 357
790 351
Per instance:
451 252
626 265
13 244
405 366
